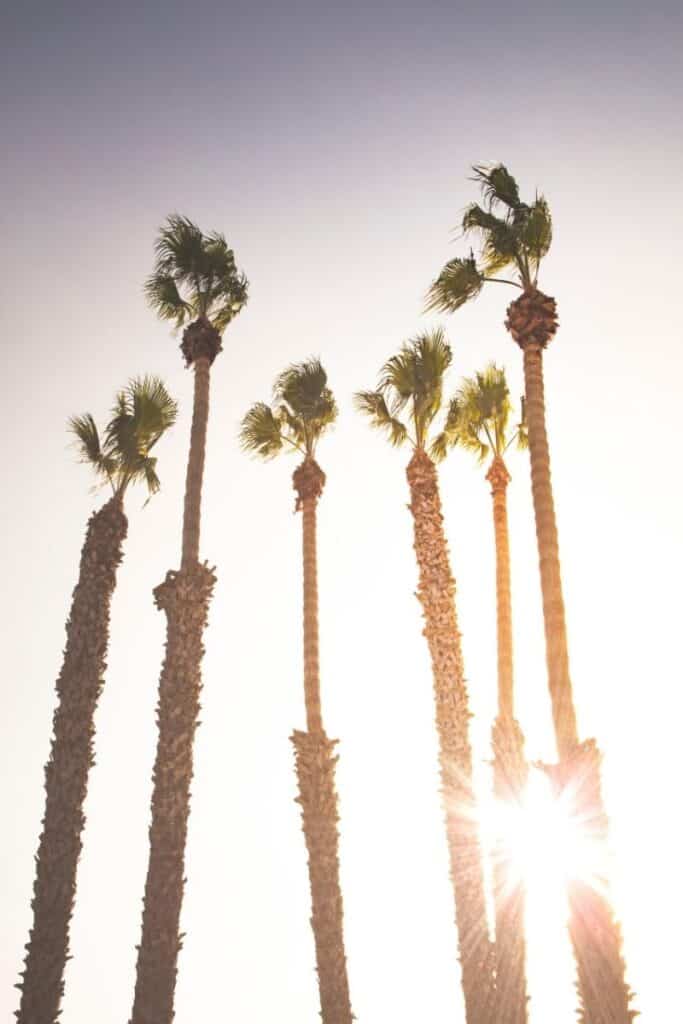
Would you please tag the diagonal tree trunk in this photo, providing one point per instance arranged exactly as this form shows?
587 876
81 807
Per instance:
436 592
184 596
509 778
604 993
315 766
66 774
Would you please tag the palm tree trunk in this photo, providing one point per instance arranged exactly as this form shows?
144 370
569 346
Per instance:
184 596
315 767
195 462
66 774
509 779
436 592
596 937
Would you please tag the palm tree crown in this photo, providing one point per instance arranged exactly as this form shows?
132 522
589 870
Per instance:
302 410
411 381
195 276
142 413
478 418
512 234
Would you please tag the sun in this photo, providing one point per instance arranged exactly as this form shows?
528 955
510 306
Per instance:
541 840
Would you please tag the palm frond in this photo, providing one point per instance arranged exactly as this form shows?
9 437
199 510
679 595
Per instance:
497 184
89 446
373 405
459 281
163 296
261 432
536 233
302 391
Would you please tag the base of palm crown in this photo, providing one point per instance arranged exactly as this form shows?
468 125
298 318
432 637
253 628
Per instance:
532 318
200 339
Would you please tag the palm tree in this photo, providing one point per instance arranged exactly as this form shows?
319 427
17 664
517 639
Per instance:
412 382
517 235
303 408
142 414
479 420
195 281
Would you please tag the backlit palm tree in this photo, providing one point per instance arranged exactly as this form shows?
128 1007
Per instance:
122 456
303 408
411 386
479 420
195 281
514 237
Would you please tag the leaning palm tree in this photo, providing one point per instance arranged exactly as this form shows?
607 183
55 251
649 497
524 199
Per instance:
195 281
411 382
515 235
120 457
303 408
478 420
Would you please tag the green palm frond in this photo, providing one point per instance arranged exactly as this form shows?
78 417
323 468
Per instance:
480 413
89 447
373 405
410 380
143 412
195 275
459 281
261 432
536 232
306 402
497 184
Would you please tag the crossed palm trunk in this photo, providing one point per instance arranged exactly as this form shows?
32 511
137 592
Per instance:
79 686
596 937
436 593
315 766
509 778
184 596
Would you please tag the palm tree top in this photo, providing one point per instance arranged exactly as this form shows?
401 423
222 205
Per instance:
302 409
410 383
478 418
142 413
195 276
511 234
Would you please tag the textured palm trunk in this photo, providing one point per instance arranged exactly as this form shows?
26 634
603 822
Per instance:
436 592
315 766
509 779
66 774
184 596
596 937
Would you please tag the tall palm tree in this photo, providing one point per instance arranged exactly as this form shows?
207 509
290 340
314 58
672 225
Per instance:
411 382
517 235
303 408
479 420
195 281
122 456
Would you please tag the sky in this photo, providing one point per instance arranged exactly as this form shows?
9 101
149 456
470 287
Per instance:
332 144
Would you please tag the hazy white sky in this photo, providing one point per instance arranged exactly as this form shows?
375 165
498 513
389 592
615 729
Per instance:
332 145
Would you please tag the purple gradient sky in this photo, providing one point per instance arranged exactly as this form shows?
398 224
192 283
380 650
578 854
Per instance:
332 145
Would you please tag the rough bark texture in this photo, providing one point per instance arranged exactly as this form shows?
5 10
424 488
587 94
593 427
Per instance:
509 779
604 993
315 767
184 596
66 774
309 481
532 323
201 344
436 592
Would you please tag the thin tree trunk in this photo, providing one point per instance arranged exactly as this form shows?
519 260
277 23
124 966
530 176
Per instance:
66 774
315 766
436 592
184 596
509 779
195 462
596 937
